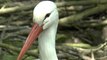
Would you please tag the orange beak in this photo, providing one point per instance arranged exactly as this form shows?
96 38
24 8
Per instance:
36 30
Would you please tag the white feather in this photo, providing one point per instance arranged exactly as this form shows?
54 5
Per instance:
47 37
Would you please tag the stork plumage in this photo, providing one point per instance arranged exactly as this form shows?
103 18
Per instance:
45 17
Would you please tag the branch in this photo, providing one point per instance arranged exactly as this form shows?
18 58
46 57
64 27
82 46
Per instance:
3 45
68 20
81 2
27 6
16 8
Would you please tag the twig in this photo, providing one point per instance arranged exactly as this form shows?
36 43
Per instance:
68 20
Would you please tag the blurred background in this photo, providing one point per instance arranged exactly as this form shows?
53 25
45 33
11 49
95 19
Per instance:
81 35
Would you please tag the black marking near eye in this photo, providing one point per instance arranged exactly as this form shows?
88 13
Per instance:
47 15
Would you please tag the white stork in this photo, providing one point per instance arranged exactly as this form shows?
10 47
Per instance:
45 17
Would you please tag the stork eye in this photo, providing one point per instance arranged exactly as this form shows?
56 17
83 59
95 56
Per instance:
47 15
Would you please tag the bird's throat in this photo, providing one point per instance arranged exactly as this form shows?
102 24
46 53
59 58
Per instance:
47 44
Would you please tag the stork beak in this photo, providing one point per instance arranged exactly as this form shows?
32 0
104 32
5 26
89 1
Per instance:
35 31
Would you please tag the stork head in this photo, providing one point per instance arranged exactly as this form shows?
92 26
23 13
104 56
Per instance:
45 14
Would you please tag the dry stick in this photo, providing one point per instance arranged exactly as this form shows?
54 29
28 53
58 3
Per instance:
94 49
1 38
82 2
35 53
3 45
67 21
85 24
31 6
31 53
4 30
15 9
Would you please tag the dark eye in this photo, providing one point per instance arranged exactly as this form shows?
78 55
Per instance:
47 15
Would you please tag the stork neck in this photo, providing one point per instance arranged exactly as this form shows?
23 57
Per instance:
47 44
